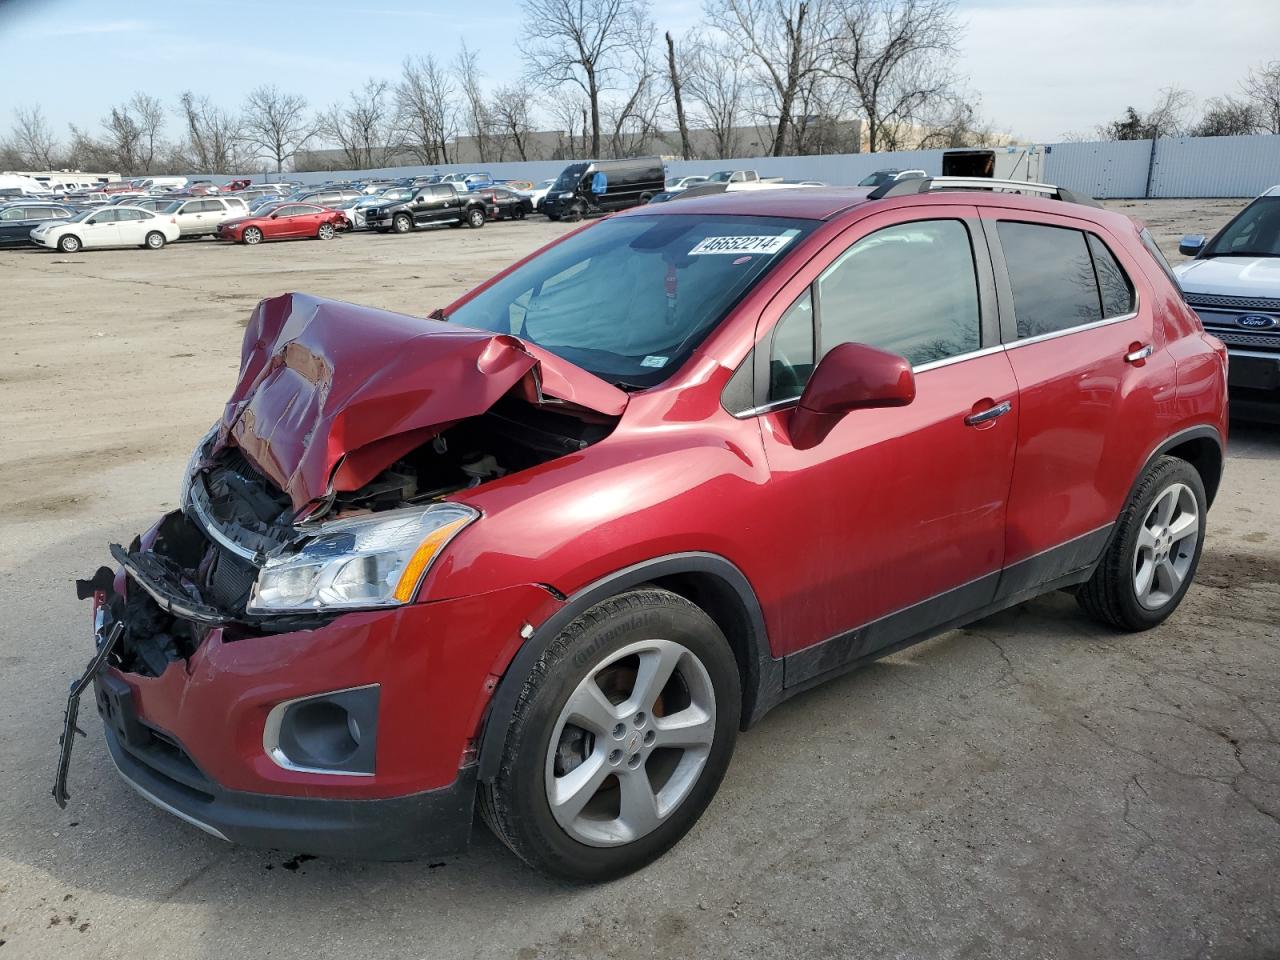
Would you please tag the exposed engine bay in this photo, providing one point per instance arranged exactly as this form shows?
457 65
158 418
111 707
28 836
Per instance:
201 569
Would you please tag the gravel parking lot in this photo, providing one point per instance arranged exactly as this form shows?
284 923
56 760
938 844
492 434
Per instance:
1031 786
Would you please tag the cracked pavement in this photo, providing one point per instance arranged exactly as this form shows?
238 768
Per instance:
1032 785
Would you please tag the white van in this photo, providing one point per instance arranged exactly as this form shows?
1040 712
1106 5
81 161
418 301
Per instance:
27 186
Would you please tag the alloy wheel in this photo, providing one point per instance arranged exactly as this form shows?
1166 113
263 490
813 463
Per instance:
1166 547
252 235
630 743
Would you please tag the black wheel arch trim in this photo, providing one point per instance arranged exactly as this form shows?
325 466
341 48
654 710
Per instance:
760 670
1202 431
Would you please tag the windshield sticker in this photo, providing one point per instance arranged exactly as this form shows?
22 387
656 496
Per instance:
739 245
654 361
741 260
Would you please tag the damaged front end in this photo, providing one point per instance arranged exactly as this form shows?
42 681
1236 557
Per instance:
330 485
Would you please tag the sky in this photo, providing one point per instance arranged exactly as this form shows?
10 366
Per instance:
1042 68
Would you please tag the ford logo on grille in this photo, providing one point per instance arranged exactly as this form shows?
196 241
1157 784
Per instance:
1256 321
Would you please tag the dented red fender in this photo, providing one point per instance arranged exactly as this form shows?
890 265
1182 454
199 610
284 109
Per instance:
331 393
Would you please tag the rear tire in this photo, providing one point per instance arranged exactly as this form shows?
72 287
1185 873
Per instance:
517 213
653 750
475 218
326 232
69 243
155 240
1154 551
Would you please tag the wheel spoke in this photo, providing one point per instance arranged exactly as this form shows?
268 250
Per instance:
638 811
590 709
691 727
571 792
656 666
1168 575
1143 578
1146 539
1164 509
1185 526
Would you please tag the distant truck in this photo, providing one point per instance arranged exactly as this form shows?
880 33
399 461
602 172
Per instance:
996 163
740 176
601 186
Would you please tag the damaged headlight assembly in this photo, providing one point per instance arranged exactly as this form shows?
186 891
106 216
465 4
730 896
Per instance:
372 561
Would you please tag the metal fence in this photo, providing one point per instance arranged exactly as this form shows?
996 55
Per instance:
1176 167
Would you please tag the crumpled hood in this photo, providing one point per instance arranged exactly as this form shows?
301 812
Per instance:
333 393
1231 276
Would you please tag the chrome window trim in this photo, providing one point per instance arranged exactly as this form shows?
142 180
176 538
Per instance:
1093 325
271 735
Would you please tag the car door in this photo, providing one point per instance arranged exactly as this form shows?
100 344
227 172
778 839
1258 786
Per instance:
1078 324
300 221
15 226
896 519
131 227
100 229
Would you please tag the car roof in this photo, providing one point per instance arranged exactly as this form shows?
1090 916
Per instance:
827 203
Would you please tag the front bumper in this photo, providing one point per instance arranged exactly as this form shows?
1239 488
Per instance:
430 823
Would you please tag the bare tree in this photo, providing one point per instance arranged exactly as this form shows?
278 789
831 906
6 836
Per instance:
149 115
511 119
425 110
276 124
633 119
786 41
1262 87
715 84
31 140
686 151
1167 118
570 114
131 143
214 137
466 67
955 121
582 43
895 56
1227 117
364 126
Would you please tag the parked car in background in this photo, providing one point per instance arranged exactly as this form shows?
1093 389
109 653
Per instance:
432 204
327 196
200 216
738 176
161 184
19 219
288 221
154 204
676 184
889 175
538 193
351 208
519 526
600 186
504 204
107 227
1233 283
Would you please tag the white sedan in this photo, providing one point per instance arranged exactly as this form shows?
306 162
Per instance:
118 226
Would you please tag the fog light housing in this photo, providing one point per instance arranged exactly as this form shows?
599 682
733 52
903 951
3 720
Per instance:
332 733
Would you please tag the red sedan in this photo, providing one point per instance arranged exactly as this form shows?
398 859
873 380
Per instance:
289 221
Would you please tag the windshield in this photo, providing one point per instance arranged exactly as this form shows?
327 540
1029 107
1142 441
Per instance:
875 179
629 299
1255 232
82 215
173 206
720 177
568 178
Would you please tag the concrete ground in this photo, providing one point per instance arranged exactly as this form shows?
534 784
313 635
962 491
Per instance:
1031 786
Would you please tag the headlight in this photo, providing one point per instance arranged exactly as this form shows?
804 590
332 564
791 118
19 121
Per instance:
566 195
373 561
184 491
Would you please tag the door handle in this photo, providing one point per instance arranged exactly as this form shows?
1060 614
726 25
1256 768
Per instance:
989 414
1137 356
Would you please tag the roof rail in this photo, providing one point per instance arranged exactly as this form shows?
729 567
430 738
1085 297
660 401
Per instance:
900 188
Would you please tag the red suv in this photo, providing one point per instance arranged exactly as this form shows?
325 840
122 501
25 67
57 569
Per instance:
549 550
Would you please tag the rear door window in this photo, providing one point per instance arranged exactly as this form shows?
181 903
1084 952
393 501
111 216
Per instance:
1051 274
1114 285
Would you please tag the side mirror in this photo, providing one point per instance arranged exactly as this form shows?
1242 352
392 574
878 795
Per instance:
1191 244
274 216
852 376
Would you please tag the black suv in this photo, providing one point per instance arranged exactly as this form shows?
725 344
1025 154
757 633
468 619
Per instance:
434 203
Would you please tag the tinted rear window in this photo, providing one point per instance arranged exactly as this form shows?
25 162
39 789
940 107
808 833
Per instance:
1052 277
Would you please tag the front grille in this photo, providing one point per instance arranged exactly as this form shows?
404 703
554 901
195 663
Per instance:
1232 303
1233 339
229 580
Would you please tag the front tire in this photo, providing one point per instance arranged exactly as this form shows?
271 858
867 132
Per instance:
620 739
1154 551
252 236
155 240
69 244
402 223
